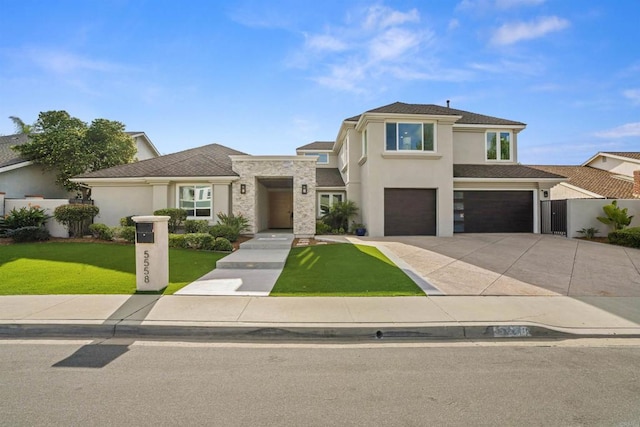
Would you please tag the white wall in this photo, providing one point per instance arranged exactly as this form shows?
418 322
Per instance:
582 213
49 205
31 180
117 202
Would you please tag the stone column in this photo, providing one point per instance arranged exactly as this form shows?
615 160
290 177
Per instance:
152 252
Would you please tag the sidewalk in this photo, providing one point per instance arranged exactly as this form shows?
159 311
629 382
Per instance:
252 318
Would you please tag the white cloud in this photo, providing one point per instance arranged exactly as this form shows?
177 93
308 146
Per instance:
394 43
514 32
66 62
531 67
380 17
487 5
512 4
626 130
633 95
453 24
325 42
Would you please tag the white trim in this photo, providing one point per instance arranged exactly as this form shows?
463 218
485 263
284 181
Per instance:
489 126
509 180
330 189
149 180
16 166
342 194
498 148
411 154
613 156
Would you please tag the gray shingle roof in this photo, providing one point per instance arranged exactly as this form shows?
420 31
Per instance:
8 156
501 171
431 109
329 177
317 145
628 154
209 160
595 180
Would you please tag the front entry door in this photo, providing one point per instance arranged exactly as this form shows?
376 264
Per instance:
280 209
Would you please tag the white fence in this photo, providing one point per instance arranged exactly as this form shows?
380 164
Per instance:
582 213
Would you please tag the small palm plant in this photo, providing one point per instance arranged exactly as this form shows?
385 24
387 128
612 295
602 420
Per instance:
615 216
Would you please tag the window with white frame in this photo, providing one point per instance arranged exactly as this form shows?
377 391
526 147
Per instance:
323 158
410 136
196 200
326 200
499 145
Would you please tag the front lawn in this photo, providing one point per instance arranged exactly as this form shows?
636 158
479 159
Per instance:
89 268
342 270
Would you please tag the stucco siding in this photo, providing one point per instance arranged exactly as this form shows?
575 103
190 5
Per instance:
116 202
583 214
560 192
32 180
617 166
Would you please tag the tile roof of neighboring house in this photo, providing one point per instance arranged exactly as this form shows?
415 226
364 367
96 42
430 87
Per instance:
329 177
209 160
8 156
595 180
629 154
467 117
501 171
318 145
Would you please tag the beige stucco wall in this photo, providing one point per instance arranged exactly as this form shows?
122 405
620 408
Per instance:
116 202
469 146
409 170
32 180
582 213
617 166
303 171
143 150
560 192
49 205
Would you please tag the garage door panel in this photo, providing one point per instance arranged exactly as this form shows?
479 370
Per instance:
498 211
409 211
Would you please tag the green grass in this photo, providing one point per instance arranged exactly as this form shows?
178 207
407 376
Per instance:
342 270
89 268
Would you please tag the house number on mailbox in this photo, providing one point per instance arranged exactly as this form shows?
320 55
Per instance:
146 264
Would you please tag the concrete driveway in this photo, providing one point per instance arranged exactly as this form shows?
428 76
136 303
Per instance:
516 264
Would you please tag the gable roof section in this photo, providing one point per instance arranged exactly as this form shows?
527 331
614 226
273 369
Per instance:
208 160
318 145
502 172
630 156
432 109
634 155
594 180
329 177
8 156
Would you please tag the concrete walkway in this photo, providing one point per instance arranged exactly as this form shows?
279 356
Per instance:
513 264
252 270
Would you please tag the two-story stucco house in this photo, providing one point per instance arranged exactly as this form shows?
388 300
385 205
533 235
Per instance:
412 169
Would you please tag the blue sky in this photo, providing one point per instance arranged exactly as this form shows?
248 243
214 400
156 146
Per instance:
267 76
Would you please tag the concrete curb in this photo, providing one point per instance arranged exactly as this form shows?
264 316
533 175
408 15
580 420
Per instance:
283 332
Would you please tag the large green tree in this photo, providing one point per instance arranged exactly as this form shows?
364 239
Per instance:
67 145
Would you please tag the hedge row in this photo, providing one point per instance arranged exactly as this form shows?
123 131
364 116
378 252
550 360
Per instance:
629 237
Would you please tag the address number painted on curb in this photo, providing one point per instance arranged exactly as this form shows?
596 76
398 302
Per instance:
146 264
511 331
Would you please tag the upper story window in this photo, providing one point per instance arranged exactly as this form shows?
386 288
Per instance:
499 145
323 158
410 136
196 200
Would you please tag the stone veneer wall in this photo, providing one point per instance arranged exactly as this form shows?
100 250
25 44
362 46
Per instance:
301 169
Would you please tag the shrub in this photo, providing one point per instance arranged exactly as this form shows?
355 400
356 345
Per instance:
322 228
127 221
3 227
203 241
238 222
615 216
29 234
127 233
589 233
176 217
196 226
32 216
339 214
221 230
223 245
629 237
177 241
76 217
101 231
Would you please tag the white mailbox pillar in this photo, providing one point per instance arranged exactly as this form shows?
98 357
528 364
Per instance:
152 252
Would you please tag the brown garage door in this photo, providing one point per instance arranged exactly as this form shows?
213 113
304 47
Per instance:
498 211
409 211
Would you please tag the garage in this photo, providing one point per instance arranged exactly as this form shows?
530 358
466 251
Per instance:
409 211
493 211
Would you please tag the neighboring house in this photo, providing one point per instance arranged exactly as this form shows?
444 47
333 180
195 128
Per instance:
607 175
20 177
412 169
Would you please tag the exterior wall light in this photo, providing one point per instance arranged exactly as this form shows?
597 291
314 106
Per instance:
243 189
304 188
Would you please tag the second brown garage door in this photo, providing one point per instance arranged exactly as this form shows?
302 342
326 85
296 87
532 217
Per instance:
409 211
497 211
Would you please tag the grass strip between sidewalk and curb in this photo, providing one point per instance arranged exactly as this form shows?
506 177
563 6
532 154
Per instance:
342 270
89 268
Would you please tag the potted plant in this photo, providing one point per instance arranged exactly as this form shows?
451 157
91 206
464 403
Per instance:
359 229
